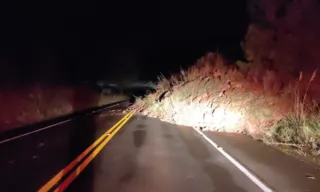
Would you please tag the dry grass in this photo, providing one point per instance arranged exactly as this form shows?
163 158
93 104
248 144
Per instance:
30 104
300 129
214 96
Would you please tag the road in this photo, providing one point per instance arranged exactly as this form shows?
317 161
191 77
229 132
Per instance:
145 154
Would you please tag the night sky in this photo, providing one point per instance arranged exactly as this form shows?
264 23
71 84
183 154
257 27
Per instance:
87 40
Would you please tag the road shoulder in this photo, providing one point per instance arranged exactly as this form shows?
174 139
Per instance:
279 170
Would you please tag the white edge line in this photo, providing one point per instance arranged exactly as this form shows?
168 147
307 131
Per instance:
35 131
46 127
245 171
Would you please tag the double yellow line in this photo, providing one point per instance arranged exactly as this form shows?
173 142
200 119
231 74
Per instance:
95 148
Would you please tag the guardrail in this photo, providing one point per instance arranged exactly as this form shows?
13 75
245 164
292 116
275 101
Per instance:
33 128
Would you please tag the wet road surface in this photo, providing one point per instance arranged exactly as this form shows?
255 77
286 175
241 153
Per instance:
146 154
150 155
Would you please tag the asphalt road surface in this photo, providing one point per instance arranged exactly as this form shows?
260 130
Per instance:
144 154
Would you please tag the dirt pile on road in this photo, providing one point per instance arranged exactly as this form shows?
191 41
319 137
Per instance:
217 96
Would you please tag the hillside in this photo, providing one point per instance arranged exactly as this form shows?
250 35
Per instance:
24 105
213 95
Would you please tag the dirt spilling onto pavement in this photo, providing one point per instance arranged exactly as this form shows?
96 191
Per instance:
214 95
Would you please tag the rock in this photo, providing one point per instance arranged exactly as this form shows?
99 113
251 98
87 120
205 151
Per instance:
41 144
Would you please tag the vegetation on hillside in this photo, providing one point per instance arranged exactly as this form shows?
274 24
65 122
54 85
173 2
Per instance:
21 106
217 96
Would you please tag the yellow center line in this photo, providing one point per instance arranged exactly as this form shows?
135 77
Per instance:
85 163
71 165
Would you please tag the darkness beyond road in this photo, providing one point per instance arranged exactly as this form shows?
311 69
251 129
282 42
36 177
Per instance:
145 154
